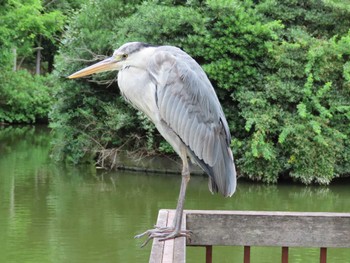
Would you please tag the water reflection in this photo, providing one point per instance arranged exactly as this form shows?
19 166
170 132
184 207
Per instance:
56 213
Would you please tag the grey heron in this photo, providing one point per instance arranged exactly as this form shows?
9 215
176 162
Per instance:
172 89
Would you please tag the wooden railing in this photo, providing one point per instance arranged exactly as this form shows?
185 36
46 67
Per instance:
253 228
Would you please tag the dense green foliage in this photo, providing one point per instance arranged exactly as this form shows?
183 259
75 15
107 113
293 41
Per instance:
23 22
280 68
24 26
25 98
90 116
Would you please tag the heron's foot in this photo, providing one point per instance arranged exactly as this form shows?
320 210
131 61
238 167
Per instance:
163 233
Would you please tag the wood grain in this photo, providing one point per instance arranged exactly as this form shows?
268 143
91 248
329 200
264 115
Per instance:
169 251
253 228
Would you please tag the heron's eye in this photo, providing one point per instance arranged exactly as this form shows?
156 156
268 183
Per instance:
124 56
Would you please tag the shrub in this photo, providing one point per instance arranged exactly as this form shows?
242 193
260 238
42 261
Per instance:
280 69
25 98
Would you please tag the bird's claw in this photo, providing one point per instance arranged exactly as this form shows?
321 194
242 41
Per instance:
163 233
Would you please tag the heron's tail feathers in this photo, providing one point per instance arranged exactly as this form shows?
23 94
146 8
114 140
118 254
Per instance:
222 176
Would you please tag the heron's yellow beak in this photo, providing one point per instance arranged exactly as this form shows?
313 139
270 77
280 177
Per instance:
105 65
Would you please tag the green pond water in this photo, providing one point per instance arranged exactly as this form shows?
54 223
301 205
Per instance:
51 212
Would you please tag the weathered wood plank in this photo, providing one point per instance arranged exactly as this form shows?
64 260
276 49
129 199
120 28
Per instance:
169 251
180 244
253 228
168 255
158 246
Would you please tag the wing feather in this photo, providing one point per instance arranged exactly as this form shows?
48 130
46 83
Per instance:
183 115
174 123
186 126
192 134
197 141
209 155
189 106
203 135
166 104
172 112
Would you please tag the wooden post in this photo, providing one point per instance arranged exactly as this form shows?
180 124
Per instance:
323 255
38 60
285 254
209 254
14 51
246 258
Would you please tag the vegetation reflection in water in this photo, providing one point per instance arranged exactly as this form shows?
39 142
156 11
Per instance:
55 213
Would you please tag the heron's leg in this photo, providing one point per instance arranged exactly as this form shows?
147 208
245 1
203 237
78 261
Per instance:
165 233
185 178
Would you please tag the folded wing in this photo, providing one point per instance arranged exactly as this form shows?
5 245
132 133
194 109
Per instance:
188 104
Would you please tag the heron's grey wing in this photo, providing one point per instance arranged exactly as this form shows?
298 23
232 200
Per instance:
188 104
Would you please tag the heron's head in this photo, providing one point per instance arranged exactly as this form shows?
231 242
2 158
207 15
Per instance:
126 55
